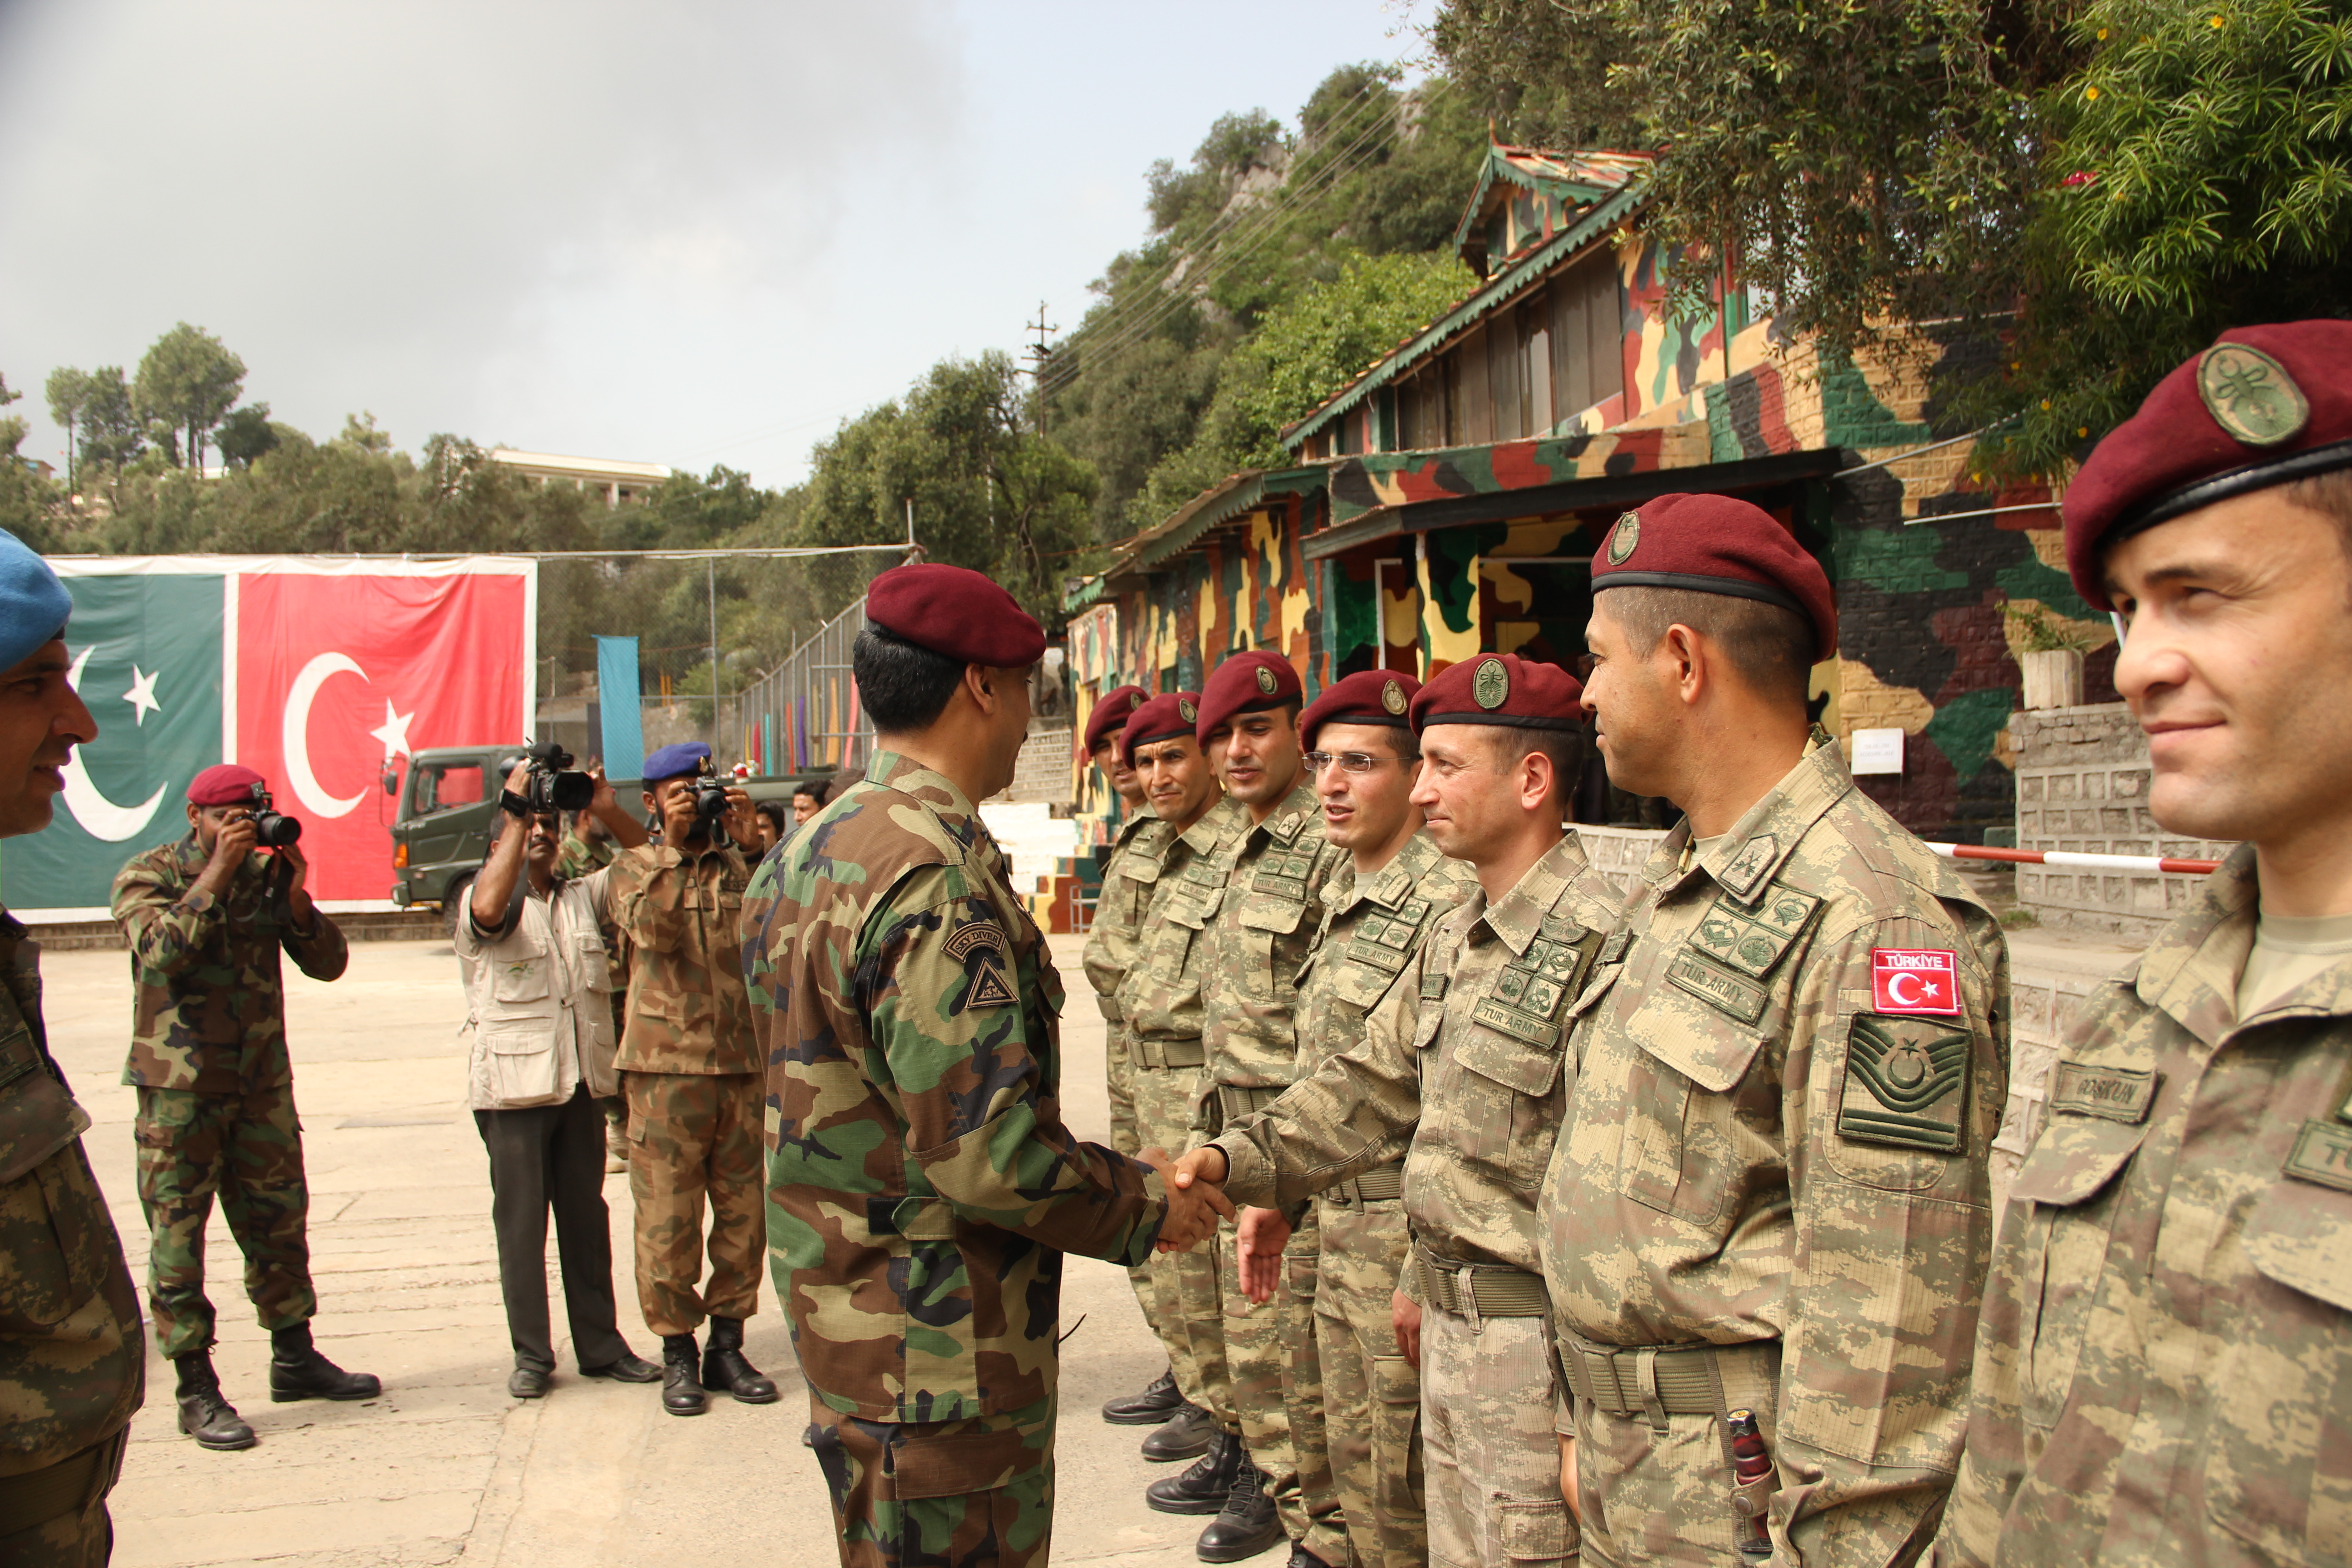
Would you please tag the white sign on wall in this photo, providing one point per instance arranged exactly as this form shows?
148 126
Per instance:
1877 751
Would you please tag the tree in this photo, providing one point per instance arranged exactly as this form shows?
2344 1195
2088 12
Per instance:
26 505
69 393
187 381
244 434
112 434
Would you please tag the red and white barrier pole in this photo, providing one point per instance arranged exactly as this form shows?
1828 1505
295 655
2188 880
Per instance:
2069 858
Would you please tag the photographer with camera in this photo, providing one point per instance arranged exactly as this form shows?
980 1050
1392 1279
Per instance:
588 846
205 919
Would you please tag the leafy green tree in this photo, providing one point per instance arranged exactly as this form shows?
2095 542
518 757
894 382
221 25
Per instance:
112 434
246 434
187 381
26 504
69 393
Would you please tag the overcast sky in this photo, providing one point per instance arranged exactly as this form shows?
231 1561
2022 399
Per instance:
683 233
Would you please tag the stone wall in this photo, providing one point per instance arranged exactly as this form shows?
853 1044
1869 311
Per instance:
2082 785
1042 775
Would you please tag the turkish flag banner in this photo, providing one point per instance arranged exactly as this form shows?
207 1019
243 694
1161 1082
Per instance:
1913 980
341 671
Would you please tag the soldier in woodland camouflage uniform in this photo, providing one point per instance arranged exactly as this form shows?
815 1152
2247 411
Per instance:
588 848
690 1070
71 1367
2163 1372
922 1187
205 919
1459 1070
1274 874
1772 1194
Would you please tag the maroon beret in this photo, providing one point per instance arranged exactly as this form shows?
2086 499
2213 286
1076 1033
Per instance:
2265 405
225 783
1247 683
1719 544
1501 689
1164 717
1110 713
1367 697
957 613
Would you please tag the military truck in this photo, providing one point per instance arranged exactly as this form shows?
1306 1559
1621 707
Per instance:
446 803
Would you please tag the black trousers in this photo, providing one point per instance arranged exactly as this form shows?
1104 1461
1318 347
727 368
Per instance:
553 1156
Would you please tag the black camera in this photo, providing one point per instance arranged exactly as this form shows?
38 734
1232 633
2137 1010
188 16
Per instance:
272 829
555 785
709 796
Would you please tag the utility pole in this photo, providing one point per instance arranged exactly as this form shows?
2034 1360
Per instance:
711 582
1041 355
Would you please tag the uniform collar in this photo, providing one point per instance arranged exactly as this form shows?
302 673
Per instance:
1743 861
935 791
2190 971
1216 825
1394 884
1290 818
1516 918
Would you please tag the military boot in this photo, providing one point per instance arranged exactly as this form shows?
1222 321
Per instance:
1205 1486
297 1371
723 1366
1156 1404
1189 1433
681 1390
205 1415
1247 1524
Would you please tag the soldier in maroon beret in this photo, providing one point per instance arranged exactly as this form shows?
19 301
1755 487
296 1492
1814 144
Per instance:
2160 1370
1789 1071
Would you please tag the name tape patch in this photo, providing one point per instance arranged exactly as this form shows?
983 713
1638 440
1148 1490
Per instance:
2118 1094
2322 1154
1915 980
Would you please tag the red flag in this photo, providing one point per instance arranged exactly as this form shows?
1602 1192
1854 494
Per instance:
339 670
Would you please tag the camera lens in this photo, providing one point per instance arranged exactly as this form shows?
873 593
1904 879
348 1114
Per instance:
274 830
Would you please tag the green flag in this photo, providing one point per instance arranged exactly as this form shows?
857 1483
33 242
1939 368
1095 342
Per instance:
146 652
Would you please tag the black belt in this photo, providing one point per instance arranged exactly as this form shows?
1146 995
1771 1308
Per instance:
32 1499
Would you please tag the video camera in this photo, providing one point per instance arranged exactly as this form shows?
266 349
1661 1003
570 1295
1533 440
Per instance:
271 829
555 785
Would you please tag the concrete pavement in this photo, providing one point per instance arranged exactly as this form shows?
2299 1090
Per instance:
445 1466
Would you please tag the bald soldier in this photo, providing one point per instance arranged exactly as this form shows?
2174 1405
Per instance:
2162 1374
1769 1203
922 1187
1460 1071
1379 907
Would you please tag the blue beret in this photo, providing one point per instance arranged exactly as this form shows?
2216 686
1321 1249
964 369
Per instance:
33 603
677 762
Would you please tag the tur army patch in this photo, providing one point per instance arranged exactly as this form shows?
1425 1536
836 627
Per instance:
1752 941
1385 942
1727 993
980 948
1906 1083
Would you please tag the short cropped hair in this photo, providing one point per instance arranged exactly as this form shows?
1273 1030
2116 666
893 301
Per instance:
1771 646
1514 742
773 810
902 687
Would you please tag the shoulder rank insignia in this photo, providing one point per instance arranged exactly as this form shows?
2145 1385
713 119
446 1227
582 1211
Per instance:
1752 941
1613 950
980 948
1906 1083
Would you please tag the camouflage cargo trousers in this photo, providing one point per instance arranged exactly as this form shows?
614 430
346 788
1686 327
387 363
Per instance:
942 1494
1278 1383
1371 1395
1488 1412
1665 1495
1125 1136
78 1531
248 1148
694 1136
1187 1308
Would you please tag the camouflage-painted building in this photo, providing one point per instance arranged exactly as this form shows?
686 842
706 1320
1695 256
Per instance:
1447 501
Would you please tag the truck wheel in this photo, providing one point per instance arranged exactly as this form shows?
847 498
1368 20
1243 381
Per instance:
453 903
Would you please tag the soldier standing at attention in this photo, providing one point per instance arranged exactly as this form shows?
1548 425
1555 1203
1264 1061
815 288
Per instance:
922 1186
2161 1372
1159 1008
1273 906
71 1368
1460 1071
1772 1193
204 920
586 849
1111 939
1379 910
690 1070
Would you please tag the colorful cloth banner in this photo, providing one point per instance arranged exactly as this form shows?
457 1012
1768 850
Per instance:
621 714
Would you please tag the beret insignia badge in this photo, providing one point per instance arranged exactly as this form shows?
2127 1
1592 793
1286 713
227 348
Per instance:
1186 712
2251 396
1392 697
1134 700
1265 680
1490 687
1624 537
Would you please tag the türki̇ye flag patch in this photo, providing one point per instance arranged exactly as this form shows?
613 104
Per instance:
1913 980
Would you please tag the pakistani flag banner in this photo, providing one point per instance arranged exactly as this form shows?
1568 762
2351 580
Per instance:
321 674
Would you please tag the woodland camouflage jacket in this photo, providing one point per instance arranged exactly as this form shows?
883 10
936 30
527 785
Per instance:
1789 1067
921 1186
209 1009
2164 1374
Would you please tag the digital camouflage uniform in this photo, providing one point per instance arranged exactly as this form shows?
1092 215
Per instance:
216 1084
71 1367
1159 1007
1460 1071
1272 905
922 1188
1772 1189
1112 938
2164 1374
690 1071
1373 929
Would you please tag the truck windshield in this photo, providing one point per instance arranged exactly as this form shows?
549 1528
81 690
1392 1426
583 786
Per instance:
443 786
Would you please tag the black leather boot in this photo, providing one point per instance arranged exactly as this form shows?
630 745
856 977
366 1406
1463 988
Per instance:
1206 1486
681 1390
1155 1405
297 1371
1186 1436
1248 1525
204 1415
723 1366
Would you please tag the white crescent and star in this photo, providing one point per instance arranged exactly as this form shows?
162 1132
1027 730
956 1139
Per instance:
295 736
100 817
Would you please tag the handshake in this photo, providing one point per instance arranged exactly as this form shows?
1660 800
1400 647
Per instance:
1196 1198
